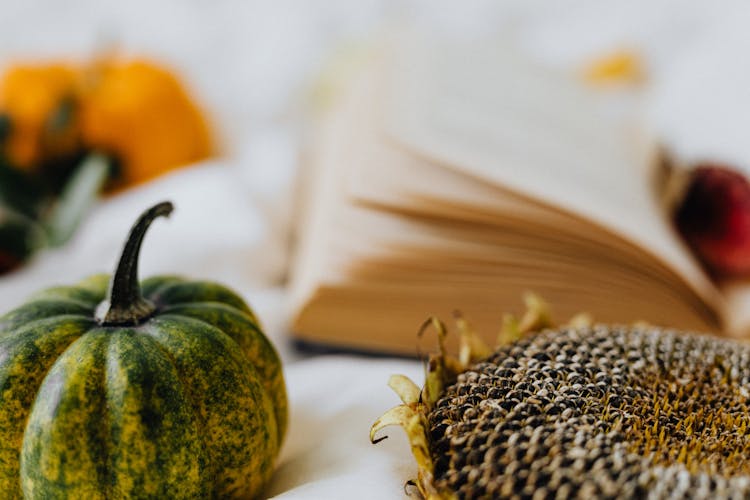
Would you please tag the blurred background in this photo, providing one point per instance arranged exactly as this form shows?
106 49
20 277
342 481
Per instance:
251 69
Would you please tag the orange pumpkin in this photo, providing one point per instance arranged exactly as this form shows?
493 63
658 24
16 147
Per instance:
33 97
133 110
140 113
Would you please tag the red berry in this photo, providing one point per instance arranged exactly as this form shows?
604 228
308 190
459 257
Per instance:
8 262
714 219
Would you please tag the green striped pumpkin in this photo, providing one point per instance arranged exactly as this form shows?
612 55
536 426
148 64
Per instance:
164 389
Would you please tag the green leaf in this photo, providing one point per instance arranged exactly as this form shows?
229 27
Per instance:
76 198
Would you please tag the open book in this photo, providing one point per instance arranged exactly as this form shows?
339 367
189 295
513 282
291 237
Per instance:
451 177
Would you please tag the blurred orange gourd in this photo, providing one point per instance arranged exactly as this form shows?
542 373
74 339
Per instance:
135 111
140 113
64 126
30 97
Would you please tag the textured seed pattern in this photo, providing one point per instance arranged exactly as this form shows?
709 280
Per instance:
603 412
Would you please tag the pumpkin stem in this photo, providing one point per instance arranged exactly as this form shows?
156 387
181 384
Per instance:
124 304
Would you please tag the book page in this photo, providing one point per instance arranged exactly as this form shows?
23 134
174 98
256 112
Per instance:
488 111
384 176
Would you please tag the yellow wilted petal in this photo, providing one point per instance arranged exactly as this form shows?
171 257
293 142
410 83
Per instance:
399 415
405 388
472 347
621 66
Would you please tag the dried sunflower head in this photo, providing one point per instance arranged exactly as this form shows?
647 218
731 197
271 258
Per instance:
587 412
